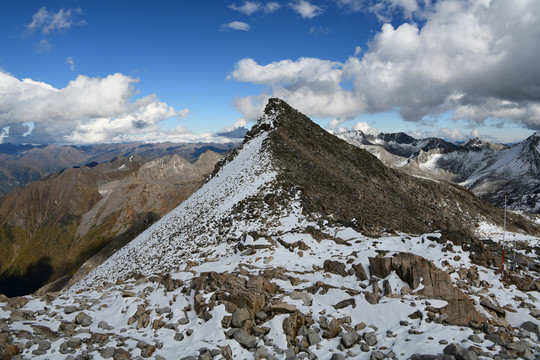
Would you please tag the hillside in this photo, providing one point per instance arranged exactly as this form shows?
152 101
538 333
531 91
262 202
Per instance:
57 223
300 246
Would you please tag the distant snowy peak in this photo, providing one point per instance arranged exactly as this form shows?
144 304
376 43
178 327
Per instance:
399 144
477 144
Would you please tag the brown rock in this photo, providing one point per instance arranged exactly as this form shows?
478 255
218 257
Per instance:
335 267
380 266
281 308
360 272
143 321
332 329
17 302
9 352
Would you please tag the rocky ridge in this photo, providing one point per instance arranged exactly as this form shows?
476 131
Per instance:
261 263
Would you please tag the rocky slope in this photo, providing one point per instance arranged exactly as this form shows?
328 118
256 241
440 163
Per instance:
489 170
22 164
276 257
56 224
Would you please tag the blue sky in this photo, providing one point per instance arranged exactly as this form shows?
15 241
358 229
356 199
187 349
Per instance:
113 71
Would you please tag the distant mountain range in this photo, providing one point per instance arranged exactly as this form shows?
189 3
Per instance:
491 171
22 164
50 227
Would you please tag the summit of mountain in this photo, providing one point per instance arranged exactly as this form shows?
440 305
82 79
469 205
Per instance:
300 245
287 164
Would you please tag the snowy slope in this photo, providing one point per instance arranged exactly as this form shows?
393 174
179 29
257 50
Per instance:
233 273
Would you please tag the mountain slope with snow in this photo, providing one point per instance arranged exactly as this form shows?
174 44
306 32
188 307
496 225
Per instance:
296 248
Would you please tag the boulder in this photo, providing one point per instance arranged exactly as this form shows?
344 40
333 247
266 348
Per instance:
335 267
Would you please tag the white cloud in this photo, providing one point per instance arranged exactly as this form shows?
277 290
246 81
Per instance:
449 134
87 110
69 61
365 128
235 25
250 7
47 22
306 9
479 59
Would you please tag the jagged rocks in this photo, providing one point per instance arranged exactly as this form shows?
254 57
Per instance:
415 270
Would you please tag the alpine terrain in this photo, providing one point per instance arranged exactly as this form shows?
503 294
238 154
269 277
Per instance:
490 170
49 228
300 246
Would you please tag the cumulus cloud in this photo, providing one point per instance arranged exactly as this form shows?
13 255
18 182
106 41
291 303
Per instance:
478 59
250 7
47 22
235 25
87 110
306 9
450 134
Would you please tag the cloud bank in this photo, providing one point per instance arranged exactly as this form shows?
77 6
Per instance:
478 59
87 110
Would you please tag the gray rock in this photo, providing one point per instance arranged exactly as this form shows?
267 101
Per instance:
239 316
44 345
531 327
376 355
527 355
313 337
475 338
83 319
183 321
370 338
74 342
459 352
104 325
108 352
337 357
290 354
364 347
261 315
349 339
261 352
178 336
244 339
70 309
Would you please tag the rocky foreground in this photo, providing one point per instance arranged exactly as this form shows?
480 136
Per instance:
331 295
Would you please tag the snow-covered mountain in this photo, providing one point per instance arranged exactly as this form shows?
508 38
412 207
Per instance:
299 246
490 170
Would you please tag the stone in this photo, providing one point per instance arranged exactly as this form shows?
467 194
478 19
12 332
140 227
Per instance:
261 315
335 267
178 336
83 319
349 339
74 342
183 321
370 338
239 316
371 298
376 355
104 325
70 309
531 327
108 352
337 357
459 352
332 329
44 345
244 339
360 272
344 303
304 296
313 337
